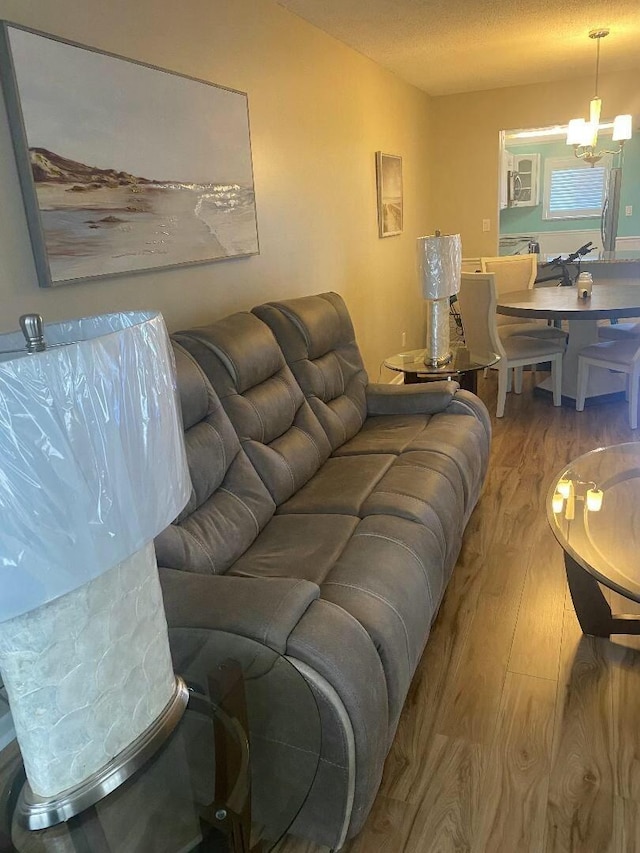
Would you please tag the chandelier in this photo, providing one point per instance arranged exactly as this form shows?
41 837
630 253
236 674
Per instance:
583 135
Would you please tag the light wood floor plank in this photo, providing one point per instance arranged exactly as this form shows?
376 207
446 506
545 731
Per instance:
626 822
516 776
388 827
581 788
450 802
536 644
626 721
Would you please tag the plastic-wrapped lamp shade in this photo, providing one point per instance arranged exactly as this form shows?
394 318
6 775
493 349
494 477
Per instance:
439 265
92 460
439 268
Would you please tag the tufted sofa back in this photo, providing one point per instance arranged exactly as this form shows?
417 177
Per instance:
229 504
279 432
317 338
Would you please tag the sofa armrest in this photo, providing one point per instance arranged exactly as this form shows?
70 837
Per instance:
425 398
470 404
263 609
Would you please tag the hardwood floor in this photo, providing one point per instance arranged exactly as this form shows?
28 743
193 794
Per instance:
519 734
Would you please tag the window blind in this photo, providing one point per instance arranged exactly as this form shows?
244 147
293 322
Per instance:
574 191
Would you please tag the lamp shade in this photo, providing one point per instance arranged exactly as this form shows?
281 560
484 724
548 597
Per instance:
439 265
622 130
92 460
576 131
92 468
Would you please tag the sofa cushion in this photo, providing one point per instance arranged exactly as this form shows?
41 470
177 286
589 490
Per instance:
462 438
340 486
229 504
317 337
277 429
297 546
384 434
424 487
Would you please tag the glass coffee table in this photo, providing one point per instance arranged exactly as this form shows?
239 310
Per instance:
593 507
463 367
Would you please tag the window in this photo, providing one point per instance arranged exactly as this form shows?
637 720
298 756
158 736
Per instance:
573 190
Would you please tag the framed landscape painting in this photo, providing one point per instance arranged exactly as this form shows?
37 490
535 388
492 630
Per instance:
389 180
123 166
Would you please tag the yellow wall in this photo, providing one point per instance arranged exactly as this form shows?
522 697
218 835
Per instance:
318 113
465 131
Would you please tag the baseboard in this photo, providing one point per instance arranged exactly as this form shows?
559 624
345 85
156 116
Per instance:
627 244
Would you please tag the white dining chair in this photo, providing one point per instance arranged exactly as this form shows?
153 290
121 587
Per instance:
619 332
518 272
619 356
477 298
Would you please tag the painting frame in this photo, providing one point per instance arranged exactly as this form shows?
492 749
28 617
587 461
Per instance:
390 194
96 219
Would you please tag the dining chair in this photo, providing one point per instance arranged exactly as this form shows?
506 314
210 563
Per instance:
518 272
619 356
619 332
477 298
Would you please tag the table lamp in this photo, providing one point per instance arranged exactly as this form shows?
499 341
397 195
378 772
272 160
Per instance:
439 268
92 467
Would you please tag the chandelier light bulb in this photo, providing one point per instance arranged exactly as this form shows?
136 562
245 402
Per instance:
564 487
557 503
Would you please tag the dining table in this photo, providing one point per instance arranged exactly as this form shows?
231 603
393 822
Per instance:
608 301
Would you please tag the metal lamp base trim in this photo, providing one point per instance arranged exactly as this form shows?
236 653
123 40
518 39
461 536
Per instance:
438 361
34 812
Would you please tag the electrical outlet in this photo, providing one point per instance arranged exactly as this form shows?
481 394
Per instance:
628 211
486 225
404 339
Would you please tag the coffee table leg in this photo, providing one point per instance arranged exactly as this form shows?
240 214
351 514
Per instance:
592 610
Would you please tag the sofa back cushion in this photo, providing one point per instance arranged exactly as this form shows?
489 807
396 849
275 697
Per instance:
229 504
279 432
317 338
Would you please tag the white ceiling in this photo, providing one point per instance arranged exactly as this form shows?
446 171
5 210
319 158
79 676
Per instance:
447 46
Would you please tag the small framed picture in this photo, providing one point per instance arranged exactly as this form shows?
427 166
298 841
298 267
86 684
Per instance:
389 179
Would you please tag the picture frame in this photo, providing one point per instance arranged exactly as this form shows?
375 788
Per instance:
390 195
124 167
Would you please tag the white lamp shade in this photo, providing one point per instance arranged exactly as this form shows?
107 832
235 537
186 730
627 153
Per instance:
92 460
439 265
622 130
576 131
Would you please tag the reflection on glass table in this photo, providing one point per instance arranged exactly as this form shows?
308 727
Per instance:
593 507
462 368
231 778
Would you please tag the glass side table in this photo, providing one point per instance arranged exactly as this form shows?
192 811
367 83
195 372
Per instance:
222 782
593 507
463 367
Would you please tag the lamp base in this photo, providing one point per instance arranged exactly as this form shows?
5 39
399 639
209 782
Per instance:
36 812
438 361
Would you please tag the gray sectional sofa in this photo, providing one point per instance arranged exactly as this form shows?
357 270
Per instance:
326 517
